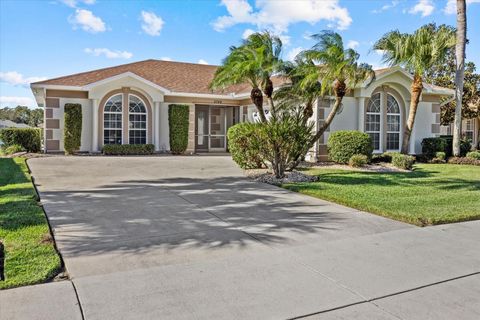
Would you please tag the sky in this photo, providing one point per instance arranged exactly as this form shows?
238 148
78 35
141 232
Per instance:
49 38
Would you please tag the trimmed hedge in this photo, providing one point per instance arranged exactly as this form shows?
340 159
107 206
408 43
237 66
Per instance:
342 145
72 131
178 124
128 149
240 145
430 146
403 161
29 138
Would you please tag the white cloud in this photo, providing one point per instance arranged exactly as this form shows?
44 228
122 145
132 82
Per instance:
16 101
387 6
87 21
166 59
16 79
152 24
110 54
380 52
247 33
201 61
73 3
279 15
451 7
293 53
425 7
352 44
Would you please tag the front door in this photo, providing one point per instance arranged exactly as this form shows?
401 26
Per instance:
201 128
218 126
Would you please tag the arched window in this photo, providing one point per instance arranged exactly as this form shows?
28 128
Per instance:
393 124
373 120
137 121
112 120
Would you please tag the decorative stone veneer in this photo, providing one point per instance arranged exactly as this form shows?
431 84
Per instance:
52 125
191 129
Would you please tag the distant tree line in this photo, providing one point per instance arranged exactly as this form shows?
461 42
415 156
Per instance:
22 114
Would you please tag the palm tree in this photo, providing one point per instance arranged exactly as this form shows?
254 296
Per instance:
253 62
338 70
417 52
459 73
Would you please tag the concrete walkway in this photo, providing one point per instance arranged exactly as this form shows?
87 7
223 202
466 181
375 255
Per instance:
190 238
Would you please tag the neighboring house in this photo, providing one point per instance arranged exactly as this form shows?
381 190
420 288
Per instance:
149 87
11 124
470 128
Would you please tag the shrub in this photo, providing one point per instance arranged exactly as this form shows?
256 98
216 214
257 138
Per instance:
28 138
474 155
178 122
403 161
14 148
128 149
384 157
464 160
358 160
72 131
430 146
465 147
342 145
240 144
440 155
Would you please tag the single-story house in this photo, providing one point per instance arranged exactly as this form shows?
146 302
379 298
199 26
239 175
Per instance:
128 104
11 124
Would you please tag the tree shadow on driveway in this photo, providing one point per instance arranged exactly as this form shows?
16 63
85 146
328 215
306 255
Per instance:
134 215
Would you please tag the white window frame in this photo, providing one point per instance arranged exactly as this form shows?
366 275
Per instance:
469 123
139 113
399 132
367 113
113 112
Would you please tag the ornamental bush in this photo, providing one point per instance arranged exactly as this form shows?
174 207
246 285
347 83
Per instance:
13 149
28 138
474 155
403 161
72 131
342 145
430 146
244 150
128 149
358 160
440 156
178 122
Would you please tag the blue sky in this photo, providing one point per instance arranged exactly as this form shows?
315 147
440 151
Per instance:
46 39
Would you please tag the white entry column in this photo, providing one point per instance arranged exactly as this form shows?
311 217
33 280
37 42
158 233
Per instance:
156 125
95 125
361 114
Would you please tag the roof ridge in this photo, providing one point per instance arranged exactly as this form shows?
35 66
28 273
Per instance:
95 70
123 65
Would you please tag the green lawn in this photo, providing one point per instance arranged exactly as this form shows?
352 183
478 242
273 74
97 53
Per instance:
30 253
431 194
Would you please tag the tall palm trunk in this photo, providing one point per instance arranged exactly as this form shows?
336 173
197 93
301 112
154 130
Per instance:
339 90
416 91
459 73
257 98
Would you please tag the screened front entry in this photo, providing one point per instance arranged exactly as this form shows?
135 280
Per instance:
211 125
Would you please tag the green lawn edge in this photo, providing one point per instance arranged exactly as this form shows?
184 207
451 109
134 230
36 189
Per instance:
432 194
30 253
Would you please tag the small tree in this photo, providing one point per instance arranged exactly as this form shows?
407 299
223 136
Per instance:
72 127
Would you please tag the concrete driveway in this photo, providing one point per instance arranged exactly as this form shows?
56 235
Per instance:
191 238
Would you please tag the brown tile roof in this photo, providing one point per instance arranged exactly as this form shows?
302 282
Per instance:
174 76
